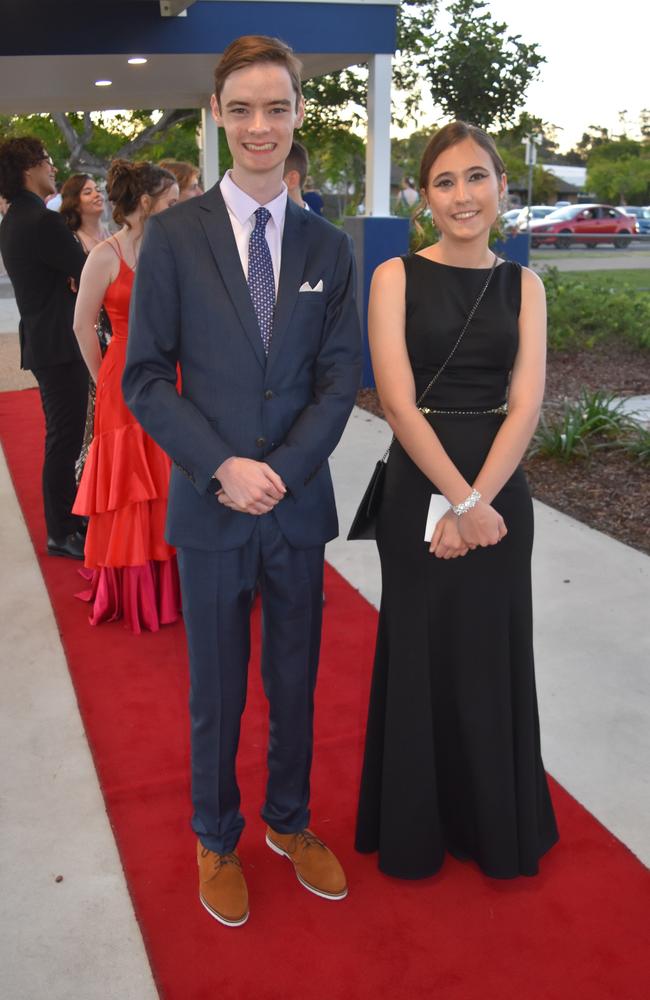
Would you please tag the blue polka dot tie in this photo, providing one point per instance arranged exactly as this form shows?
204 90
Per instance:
260 277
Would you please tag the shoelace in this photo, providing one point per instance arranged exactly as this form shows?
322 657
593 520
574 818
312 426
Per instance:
220 860
308 839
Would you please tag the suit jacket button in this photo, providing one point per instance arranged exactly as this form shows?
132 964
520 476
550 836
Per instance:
260 442
268 394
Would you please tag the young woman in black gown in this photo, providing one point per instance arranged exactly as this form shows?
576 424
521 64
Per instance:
452 759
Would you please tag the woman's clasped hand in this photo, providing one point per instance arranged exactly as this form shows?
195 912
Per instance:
477 528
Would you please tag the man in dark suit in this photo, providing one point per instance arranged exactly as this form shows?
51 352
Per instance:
253 298
44 262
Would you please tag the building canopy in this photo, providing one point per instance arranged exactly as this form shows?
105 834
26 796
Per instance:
52 52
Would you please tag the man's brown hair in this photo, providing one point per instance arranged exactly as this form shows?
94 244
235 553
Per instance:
16 156
298 159
251 49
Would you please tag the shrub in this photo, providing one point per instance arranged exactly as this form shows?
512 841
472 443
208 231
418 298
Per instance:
595 420
581 314
637 444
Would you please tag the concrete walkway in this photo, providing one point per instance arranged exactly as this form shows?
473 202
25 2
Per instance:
77 939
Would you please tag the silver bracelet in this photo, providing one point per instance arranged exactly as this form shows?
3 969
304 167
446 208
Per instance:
461 508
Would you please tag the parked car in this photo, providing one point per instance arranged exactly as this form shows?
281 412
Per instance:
536 212
641 214
588 224
508 220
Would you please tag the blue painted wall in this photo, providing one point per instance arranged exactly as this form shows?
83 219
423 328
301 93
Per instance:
514 248
375 240
124 26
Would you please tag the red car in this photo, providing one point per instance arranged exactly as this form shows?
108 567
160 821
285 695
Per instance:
588 224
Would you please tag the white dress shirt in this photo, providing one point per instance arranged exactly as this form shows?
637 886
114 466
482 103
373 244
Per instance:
241 209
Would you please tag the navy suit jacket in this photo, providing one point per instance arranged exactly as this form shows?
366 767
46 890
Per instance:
191 307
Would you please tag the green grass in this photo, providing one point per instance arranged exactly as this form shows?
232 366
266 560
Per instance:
638 279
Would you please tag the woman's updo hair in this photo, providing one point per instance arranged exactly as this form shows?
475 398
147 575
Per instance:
450 135
127 182
71 200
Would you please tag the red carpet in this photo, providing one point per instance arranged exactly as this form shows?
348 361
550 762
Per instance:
577 932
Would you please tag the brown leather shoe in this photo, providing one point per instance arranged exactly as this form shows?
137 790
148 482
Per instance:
315 865
222 886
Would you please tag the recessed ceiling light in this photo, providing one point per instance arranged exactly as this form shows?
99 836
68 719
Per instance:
136 61
103 83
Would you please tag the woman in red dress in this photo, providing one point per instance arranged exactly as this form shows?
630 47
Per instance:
124 486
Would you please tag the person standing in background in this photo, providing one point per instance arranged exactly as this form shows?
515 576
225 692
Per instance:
408 197
296 166
82 207
123 489
312 196
4 206
44 262
187 176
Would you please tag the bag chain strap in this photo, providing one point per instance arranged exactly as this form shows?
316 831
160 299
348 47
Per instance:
454 348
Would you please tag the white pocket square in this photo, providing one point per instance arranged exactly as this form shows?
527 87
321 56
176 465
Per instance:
306 287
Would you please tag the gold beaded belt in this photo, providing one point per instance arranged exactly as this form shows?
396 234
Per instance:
503 409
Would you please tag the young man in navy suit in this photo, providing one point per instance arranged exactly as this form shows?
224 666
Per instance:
253 298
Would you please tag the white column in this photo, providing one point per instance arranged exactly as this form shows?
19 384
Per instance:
209 144
378 142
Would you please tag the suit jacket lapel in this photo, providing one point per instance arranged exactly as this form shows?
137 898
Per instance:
294 254
218 230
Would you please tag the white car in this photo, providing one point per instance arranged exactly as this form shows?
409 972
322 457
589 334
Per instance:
537 212
509 220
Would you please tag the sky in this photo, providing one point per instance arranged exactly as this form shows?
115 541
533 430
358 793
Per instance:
596 61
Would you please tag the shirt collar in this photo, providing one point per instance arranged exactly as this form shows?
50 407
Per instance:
243 207
31 194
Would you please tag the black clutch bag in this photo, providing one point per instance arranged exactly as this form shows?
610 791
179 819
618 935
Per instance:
365 520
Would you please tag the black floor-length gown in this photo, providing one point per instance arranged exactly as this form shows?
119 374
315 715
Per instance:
452 759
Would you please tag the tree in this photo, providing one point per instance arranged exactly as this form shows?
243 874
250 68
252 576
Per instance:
86 143
612 150
340 97
618 168
478 72
408 152
625 180
512 137
512 150
595 136
415 25
644 123
335 104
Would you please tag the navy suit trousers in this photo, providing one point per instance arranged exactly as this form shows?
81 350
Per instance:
218 592
64 395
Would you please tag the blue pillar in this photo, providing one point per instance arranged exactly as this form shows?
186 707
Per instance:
376 238
514 248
